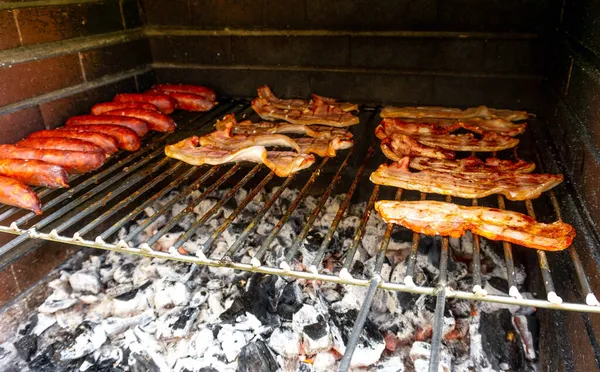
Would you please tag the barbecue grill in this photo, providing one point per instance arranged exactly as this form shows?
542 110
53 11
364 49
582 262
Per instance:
374 54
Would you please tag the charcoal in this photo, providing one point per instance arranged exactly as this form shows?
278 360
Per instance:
26 346
176 323
54 303
316 337
290 301
139 362
87 338
86 281
114 325
370 342
500 340
259 299
124 273
256 357
324 362
285 342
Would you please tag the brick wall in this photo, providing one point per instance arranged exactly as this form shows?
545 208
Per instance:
450 52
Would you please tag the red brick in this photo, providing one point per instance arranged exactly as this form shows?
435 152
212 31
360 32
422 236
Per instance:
33 266
9 288
115 58
19 124
30 79
9 37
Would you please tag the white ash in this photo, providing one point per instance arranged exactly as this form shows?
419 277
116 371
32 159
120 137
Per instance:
136 313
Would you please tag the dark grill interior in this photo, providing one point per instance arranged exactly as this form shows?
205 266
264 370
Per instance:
57 60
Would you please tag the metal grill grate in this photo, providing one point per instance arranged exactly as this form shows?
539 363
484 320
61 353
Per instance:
121 191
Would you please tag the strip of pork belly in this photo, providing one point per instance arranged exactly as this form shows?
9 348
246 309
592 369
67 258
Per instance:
515 186
489 142
224 140
472 164
400 145
287 104
314 131
389 126
322 146
447 219
320 115
282 163
453 113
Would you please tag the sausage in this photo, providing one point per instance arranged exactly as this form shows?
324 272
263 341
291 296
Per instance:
138 126
156 121
105 107
125 137
34 172
71 161
71 144
191 102
205 92
18 194
108 144
164 103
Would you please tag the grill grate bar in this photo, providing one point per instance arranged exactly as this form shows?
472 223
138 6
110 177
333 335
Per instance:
412 258
252 225
207 244
510 262
87 228
303 193
314 267
476 263
315 213
188 234
386 239
190 208
358 235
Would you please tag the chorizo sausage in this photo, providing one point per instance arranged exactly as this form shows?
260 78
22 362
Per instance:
108 144
191 102
71 161
125 137
156 121
164 103
138 126
34 172
18 194
105 107
54 143
199 90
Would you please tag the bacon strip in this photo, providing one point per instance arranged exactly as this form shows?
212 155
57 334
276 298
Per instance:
318 114
314 131
401 145
452 113
224 140
515 186
299 104
322 146
489 142
472 164
389 126
282 163
447 219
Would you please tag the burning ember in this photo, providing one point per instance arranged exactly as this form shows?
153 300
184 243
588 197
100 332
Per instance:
131 313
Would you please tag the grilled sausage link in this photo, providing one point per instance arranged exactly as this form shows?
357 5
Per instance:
191 102
34 172
138 126
156 121
71 161
125 137
201 91
18 194
164 103
70 144
108 144
104 107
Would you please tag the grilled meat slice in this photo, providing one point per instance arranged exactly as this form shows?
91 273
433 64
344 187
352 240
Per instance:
323 146
282 163
400 145
472 164
318 114
224 140
299 104
515 186
389 126
447 219
452 113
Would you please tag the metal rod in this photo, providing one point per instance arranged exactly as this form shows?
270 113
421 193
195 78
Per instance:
513 291
252 225
359 324
544 266
314 267
237 211
190 207
590 297
386 239
114 228
303 192
360 232
192 230
120 205
412 258
171 202
291 253
477 286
